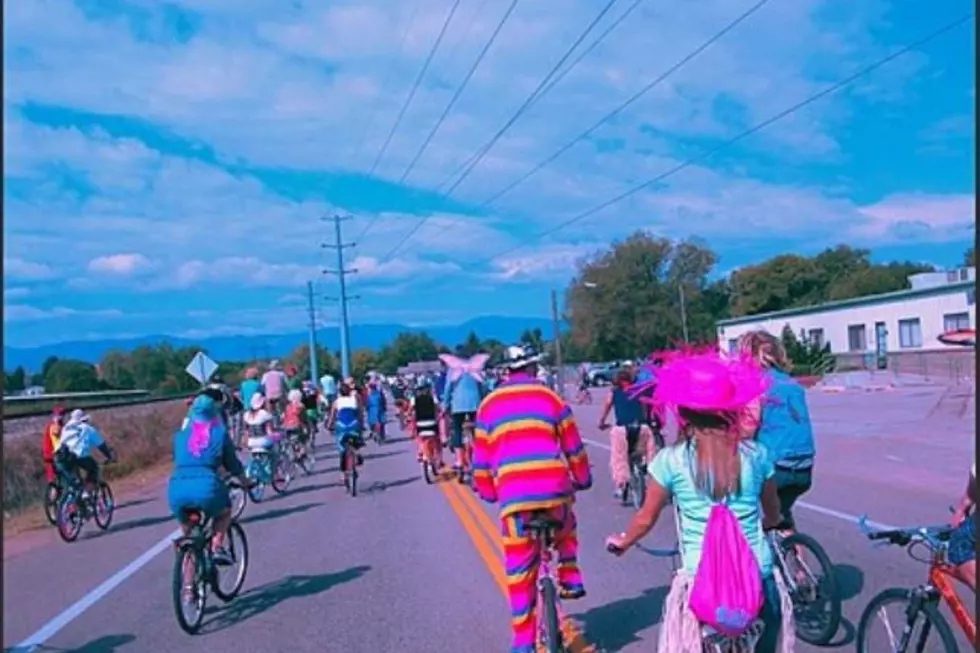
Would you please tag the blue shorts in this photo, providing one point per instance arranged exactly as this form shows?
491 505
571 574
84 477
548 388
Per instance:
206 492
963 542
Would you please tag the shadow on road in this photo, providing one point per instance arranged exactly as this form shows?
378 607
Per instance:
382 454
260 599
327 470
305 489
850 581
133 503
613 626
381 486
403 438
132 524
104 644
281 512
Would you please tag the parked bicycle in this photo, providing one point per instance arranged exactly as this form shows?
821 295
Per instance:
813 589
195 570
75 508
917 606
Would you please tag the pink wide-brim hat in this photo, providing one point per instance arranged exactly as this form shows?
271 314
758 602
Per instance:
707 383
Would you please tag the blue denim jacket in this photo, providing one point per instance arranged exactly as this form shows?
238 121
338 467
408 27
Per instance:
786 429
463 395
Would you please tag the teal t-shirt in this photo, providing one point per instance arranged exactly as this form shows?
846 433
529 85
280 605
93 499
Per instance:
672 468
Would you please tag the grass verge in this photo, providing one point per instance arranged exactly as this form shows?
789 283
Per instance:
140 443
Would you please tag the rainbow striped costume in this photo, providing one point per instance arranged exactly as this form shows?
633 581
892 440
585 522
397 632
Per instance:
523 430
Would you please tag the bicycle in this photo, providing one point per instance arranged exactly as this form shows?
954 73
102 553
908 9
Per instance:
237 495
74 509
52 497
543 529
636 487
806 588
266 467
920 601
194 556
297 455
466 471
351 459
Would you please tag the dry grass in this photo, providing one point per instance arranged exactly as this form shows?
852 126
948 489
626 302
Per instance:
140 443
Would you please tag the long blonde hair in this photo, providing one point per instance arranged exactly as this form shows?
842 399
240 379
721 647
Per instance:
713 439
765 348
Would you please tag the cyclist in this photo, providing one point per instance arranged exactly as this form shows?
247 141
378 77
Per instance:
329 387
376 408
200 448
49 442
311 405
250 386
260 427
522 432
274 386
292 421
424 414
346 419
460 399
783 422
713 461
629 416
963 542
74 452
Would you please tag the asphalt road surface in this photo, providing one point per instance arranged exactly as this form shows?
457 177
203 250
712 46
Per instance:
412 567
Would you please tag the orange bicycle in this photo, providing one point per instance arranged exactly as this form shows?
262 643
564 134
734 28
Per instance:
919 606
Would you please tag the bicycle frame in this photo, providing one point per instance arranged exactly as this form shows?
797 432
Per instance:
942 585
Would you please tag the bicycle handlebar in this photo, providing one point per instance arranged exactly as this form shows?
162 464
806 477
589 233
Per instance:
657 553
934 536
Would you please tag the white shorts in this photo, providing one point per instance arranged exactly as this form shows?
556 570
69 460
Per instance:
261 445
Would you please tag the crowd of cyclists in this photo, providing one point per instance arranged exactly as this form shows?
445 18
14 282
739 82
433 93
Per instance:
742 455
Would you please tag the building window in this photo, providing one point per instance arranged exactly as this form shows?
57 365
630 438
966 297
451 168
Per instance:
956 321
815 337
964 274
857 338
909 333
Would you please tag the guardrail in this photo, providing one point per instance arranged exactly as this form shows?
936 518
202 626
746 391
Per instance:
68 396
43 404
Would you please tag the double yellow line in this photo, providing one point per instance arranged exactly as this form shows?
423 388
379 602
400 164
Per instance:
485 536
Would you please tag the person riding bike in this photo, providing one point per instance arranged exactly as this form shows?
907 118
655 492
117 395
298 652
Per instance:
460 399
424 416
274 387
292 421
260 428
74 452
629 434
250 386
376 408
200 449
50 440
963 541
346 419
311 406
782 420
523 431
329 386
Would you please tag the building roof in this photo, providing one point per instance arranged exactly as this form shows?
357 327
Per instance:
867 300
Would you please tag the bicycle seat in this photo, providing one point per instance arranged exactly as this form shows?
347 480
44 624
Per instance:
541 523
192 516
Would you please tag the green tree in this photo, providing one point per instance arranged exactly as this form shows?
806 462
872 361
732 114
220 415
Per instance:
117 370
363 361
325 362
16 381
470 346
71 376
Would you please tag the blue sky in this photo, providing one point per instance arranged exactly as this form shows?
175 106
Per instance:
166 165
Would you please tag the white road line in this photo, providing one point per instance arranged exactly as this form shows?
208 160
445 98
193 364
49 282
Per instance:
50 629
828 512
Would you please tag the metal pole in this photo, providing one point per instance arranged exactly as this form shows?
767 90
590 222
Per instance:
680 291
314 372
344 326
557 336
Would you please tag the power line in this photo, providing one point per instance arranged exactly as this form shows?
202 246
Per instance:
748 132
619 109
387 79
415 86
459 90
482 151
408 101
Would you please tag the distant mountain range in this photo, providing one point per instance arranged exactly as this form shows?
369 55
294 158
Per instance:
240 348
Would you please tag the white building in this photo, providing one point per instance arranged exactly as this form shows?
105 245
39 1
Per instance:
898 330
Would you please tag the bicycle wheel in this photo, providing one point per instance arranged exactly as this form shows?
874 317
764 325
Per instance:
52 495
816 599
70 517
105 506
237 545
427 472
551 633
928 616
191 595
350 471
283 474
638 486
238 497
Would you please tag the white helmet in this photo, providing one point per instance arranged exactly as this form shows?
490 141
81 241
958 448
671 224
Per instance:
519 356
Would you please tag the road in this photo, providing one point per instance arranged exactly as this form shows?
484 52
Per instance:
416 567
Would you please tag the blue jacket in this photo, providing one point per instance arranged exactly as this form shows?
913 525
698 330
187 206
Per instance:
194 457
786 430
463 395
248 388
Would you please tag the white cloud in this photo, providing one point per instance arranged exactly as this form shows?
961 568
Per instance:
119 264
21 269
919 217
541 263
26 313
15 293
370 268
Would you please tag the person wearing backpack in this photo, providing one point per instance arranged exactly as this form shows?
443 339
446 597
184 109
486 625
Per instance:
722 487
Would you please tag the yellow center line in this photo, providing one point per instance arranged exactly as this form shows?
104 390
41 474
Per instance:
486 538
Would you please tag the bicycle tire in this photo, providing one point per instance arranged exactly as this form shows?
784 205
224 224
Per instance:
109 501
828 587
70 520
236 490
900 595
350 466
427 473
239 551
191 627
552 627
52 497
282 475
638 488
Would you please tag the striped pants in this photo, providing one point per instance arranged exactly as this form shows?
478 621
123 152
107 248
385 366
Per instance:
522 557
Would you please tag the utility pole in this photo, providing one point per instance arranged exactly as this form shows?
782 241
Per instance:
557 336
680 292
341 273
314 372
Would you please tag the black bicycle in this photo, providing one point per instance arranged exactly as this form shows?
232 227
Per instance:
75 508
52 497
195 570
636 488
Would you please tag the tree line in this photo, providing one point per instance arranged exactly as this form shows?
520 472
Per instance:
622 303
